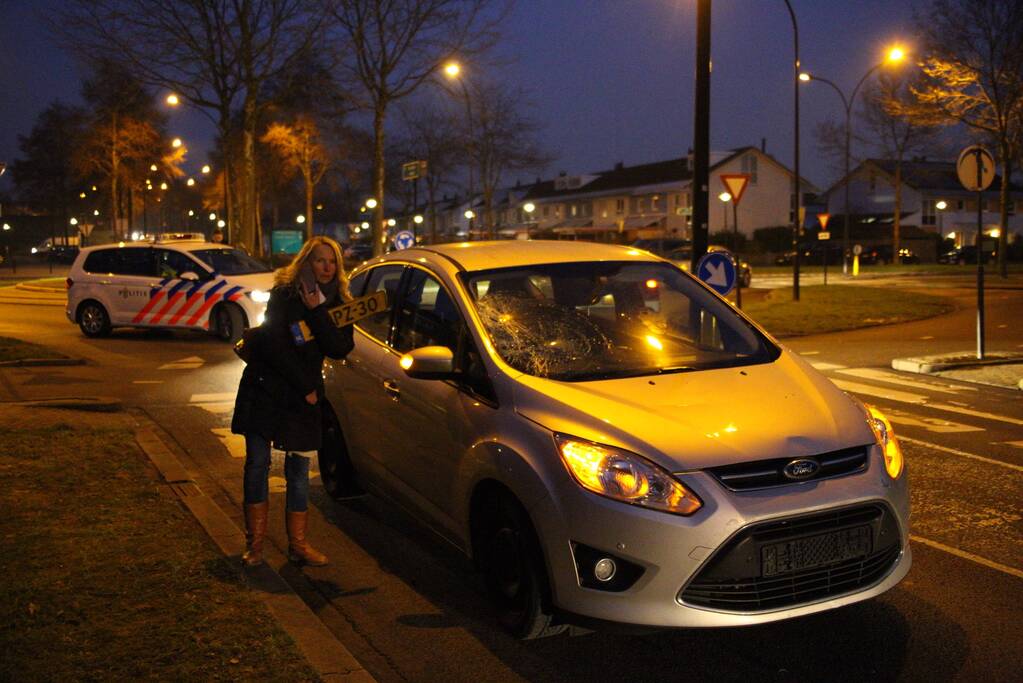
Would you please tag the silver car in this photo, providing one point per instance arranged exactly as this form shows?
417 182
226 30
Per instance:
610 440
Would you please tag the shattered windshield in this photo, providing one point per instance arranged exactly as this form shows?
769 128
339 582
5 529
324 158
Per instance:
604 320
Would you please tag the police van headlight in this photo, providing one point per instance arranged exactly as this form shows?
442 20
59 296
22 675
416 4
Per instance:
259 296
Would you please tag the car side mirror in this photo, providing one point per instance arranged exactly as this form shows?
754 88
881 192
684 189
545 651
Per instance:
429 362
189 275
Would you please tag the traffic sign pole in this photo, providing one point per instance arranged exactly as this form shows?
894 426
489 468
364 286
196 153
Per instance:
976 170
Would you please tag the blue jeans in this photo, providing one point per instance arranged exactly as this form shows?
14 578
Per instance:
257 471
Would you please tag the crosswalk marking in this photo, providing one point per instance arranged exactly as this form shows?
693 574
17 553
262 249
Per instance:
808 353
1012 571
919 399
147 381
823 367
962 454
190 363
891 377
1016 444
234 443
931 424
212 398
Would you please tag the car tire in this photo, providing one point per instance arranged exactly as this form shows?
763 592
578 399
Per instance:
227 322
515 574
337 474
93 319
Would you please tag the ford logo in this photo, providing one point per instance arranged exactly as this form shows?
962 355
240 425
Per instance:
800 469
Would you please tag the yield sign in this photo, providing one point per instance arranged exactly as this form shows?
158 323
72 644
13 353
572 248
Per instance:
823 218
736 184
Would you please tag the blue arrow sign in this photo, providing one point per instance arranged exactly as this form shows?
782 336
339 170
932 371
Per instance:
404 239
717 269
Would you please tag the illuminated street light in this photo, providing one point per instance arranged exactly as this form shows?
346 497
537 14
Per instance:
176 142
213 216
81 195
206 168
995 232
417 219
73 221
893 56
365 225
163 186
470 214
191 213
190 182
391 222
371 203
7 226
529 207
93 188
941 205
173 100
152 167
300 219
452 69
95 212
725 197
221 223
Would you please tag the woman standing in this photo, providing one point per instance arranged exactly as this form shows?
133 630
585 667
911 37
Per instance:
281 390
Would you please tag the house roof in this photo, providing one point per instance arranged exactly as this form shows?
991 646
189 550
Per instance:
922 174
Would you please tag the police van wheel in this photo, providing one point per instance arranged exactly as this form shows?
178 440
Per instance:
228 322
93 319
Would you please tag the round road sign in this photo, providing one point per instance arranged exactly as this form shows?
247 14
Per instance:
976 168
717 269
857 249
404 239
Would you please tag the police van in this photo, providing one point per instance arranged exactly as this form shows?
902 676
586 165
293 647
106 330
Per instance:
175 281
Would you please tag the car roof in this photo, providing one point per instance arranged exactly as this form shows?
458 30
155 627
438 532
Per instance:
184 245
486 255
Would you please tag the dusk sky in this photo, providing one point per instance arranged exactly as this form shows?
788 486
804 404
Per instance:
610 80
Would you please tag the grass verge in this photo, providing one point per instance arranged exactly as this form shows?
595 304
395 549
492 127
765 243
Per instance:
15 349
839 307
107 577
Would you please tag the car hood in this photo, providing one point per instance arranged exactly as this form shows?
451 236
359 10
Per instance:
264 281
701 419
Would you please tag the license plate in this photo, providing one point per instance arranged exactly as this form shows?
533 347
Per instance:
815 551
345 314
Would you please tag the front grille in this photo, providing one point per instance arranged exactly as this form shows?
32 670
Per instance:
746 476
741 578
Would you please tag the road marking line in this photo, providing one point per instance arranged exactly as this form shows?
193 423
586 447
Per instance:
1012 571
147 381
926 337
822 366
963 454
234 443
931 424
808 353
212 398
190 363
918 399
216 408
1017 444
1002 327
884 376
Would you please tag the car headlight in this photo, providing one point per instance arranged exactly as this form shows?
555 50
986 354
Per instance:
259 296
885 436
624 476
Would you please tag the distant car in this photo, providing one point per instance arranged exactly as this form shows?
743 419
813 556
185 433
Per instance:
186 284
606 438
663 246
684 257
813 254
966 255
881 254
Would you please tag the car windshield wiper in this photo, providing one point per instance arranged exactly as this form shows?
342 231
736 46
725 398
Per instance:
622 373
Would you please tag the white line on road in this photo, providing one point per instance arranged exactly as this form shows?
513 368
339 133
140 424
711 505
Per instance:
1017 444
931 424
822 366
212 398
1012 571
808 353
892 378
919 399
926 337
147 381
962 454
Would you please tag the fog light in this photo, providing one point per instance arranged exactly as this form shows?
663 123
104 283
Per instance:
604 569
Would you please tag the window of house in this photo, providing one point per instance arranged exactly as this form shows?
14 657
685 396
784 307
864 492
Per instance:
928 215
960 205
575 209
749 166
640 205
619 206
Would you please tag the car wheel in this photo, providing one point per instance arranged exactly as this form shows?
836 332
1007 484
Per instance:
93 319
515 574
228 322
337 473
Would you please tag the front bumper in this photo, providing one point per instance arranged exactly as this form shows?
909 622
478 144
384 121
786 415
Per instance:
674 550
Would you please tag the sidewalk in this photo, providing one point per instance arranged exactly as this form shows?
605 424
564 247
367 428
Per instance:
999 369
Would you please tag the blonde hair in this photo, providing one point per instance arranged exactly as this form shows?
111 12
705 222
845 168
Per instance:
288 275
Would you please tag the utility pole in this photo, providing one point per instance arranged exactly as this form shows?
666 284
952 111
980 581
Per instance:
701 135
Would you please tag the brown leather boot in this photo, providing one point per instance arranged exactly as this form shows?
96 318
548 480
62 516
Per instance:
299 550
255 532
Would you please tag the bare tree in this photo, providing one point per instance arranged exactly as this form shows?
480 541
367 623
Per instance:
503 139
432 136
215 53
300 147
896 134
973 74
396 45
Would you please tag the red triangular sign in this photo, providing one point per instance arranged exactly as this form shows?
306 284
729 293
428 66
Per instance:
735 183
823 218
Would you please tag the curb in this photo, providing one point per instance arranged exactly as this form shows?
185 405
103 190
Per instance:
324 652
27 287
95 404
929 365
40 362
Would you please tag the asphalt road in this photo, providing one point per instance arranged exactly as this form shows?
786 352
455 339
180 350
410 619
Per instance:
411 609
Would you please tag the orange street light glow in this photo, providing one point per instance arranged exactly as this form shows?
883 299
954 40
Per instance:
452 69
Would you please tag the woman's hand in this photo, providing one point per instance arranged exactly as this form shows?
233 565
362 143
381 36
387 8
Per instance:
310 299
310 398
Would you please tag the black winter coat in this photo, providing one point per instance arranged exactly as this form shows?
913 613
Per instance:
271 396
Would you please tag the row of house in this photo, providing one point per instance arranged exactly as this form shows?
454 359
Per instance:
655 200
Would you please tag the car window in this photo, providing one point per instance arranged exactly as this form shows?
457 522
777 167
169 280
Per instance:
381 279
136 261
228 261
426 315
357 284
171 264
101 261
601 320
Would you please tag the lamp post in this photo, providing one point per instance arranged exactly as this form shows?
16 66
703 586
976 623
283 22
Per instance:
453 70
894 56
795 164
940 206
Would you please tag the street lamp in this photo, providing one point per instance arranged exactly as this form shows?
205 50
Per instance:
206 169
940 205
894 56
725 197
371 203
795 164
176 142
417 219
300 219
173 100
453 70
